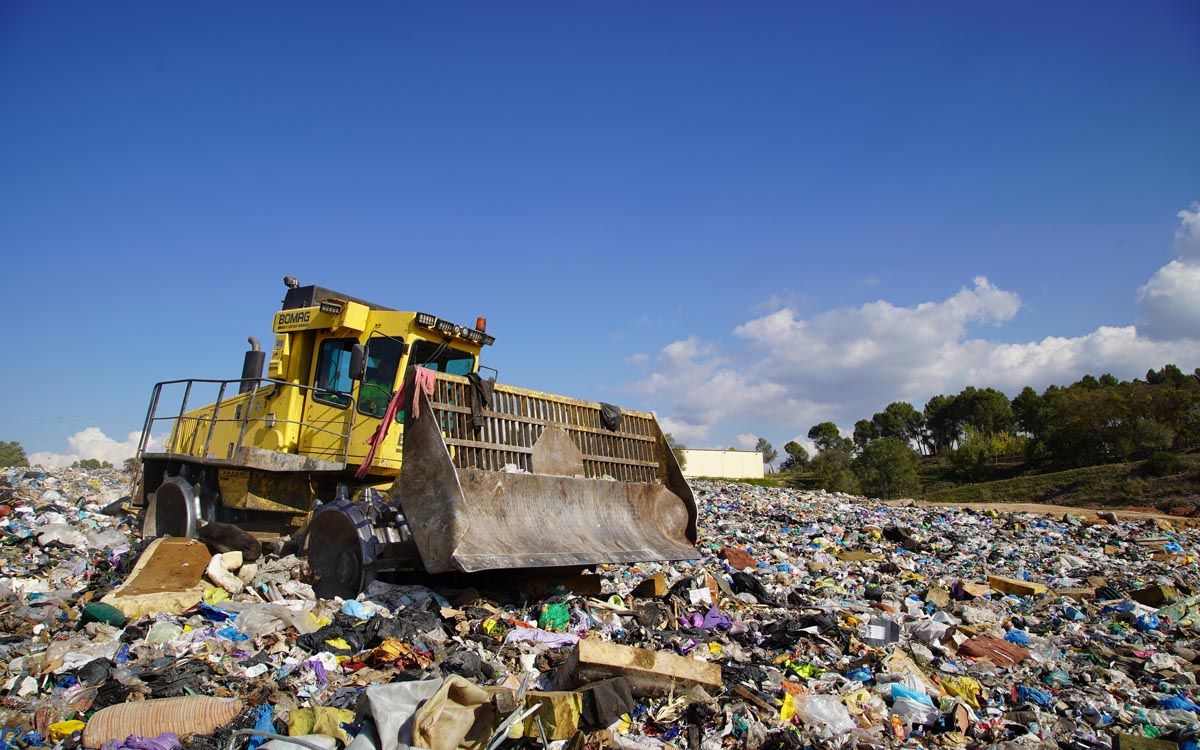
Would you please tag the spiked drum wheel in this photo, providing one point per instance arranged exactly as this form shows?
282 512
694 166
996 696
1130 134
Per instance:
335 557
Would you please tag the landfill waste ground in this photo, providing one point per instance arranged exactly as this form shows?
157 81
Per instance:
811 620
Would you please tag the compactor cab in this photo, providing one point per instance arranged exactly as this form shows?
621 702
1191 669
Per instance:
373 433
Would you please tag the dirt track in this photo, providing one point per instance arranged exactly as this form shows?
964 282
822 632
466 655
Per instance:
1059 510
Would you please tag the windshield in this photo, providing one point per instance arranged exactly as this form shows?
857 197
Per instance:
333 372
441 358
383 358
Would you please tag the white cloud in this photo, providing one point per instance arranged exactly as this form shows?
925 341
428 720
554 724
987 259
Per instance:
704 389
847 363
682 431
90 442
1169 303
1187 236
746 441
639 358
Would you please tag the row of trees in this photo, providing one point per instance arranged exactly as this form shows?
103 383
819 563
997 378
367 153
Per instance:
1094 420
1103 420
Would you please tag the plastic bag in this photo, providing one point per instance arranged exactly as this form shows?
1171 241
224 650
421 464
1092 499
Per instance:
65 535
220 575
914 712
162 632
107 539
824 712
900 691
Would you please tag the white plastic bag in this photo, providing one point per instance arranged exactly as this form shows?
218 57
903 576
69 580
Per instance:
824 712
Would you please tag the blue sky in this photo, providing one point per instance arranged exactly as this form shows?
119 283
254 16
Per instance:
690 207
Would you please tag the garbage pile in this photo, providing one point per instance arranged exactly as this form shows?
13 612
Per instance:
811 620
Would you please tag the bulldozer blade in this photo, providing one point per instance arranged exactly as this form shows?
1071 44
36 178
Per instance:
471 519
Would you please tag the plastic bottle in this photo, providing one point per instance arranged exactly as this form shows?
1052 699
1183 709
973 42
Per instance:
162 632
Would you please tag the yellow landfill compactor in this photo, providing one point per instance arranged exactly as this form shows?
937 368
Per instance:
374 434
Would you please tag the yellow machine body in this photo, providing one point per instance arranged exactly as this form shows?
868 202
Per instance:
303 421
492 477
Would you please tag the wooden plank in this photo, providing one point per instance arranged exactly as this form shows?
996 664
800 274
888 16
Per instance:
1017 586
549 397
650 673
533 420
466 410
491 447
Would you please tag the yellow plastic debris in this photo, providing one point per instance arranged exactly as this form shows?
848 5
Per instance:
64 729
788 709
320 720
963 687
214 595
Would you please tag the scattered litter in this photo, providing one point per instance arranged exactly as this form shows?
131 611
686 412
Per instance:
810 619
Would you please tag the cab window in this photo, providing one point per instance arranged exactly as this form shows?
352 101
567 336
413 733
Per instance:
383 359
453 361
333 381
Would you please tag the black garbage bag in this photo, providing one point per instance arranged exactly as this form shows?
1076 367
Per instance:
610 416
746 583
733 674
316 641
175 678
95 672
407 625
464 664
225 537
604 702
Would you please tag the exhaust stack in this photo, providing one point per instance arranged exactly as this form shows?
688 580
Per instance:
252 365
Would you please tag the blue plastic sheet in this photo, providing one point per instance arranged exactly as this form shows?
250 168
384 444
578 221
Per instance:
216 615
900 690
1019 637
1176 703
1033 695
263 722
355 608
232 634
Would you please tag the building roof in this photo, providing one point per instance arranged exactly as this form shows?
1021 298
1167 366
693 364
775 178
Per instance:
723 450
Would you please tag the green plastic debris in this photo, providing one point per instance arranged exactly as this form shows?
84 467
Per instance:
105 613
554 617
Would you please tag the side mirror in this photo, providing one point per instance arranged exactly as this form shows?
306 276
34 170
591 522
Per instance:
358 362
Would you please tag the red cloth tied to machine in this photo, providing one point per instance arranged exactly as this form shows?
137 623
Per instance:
424 379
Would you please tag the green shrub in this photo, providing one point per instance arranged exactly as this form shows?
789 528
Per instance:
1132 488
1162 464
12 454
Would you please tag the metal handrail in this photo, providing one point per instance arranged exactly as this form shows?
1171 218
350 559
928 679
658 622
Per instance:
239 420
245 420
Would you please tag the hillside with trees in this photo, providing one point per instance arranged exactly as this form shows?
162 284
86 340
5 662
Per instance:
1144 432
